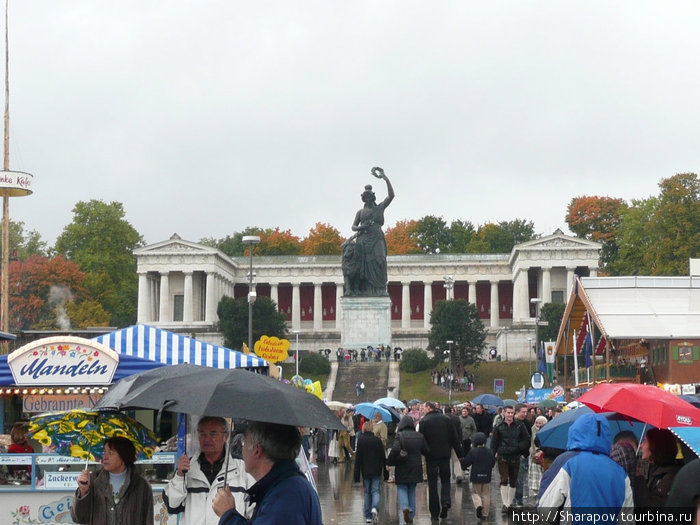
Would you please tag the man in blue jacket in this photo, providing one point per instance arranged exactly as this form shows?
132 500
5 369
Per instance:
281 493
584 479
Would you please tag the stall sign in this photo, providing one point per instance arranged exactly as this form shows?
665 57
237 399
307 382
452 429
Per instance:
61 480
58 403
272 349
63 361
15 459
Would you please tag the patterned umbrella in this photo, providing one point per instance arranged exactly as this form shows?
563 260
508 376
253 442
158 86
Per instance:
81 433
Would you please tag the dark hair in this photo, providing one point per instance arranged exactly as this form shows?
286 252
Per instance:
124 447
626 435
18 434
519 406
277 441
662 445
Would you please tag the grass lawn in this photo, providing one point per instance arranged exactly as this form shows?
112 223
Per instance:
418 385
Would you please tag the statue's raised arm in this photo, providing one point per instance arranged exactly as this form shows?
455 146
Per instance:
364 254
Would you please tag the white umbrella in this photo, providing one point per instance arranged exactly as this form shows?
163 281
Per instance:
390 402
336 405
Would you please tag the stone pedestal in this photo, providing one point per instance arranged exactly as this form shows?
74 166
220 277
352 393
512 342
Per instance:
366 322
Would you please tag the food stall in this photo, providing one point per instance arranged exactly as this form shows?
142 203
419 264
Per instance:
66 372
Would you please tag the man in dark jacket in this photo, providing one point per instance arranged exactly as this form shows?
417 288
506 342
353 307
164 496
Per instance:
441 437
508 443
280 491
483 420
370 461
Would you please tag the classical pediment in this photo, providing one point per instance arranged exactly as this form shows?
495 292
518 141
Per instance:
175 245
558 240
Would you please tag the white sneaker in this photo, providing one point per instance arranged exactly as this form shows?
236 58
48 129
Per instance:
375 516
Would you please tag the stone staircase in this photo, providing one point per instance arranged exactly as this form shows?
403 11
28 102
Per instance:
374 375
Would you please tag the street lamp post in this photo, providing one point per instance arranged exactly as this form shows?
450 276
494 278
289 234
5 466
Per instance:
536 301
296 333
529 350
451 375
251 241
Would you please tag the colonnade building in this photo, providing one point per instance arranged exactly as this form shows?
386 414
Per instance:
182 282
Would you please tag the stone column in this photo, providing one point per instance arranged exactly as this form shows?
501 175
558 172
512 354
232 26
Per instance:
296 307
593 272
494 304
212 298
405 305
143 307
166 313
187 304
521 299
338 313
569 281
472 292
427 304
318 308
547 285
274 295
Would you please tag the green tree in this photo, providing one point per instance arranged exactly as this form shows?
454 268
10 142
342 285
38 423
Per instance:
552 314
633 240
414 360
675 226
24 244
102 242
461 233
314 364
232 245
457 321
501 237
432 235
233 320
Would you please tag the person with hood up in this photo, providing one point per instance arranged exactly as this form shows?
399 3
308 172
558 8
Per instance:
409 467
584 478
481 460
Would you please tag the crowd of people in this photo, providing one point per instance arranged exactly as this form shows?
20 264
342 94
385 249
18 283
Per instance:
367 354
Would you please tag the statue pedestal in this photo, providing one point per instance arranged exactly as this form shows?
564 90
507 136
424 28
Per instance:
366 322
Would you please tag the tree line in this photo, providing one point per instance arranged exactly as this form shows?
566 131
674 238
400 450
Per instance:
89 275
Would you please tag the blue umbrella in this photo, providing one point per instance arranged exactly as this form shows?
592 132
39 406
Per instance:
369 409
555 434
693 400
488 399
688 435
390 402
395 416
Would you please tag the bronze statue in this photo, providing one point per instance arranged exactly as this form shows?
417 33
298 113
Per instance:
364 254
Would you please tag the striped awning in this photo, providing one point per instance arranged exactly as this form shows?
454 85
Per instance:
169 348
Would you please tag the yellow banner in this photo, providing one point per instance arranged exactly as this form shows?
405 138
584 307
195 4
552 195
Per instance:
272 349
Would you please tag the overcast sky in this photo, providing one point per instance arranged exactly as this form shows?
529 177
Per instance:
204 117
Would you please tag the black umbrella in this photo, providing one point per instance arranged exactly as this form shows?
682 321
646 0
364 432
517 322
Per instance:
193 389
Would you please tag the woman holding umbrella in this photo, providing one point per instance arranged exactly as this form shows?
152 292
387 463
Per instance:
656 470
117 494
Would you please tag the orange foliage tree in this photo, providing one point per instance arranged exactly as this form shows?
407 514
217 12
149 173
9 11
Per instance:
38 284
277 242
597 219
323 239
402 239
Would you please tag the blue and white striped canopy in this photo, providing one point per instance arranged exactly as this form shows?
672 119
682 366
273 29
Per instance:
169 348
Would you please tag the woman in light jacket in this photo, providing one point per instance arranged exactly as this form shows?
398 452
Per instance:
409 468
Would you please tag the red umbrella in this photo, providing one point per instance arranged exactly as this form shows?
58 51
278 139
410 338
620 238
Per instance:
645 403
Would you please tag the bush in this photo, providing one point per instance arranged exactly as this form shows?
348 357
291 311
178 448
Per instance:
314 364
414 360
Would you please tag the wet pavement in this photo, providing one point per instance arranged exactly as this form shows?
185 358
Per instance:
342 500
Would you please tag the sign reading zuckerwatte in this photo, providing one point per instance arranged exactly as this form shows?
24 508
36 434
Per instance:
63 360
272 349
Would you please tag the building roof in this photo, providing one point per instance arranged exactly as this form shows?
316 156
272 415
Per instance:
633 308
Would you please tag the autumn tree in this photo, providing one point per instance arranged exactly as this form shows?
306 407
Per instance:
278 242
323 239
675 226
401 238
43 290
102 242
597 219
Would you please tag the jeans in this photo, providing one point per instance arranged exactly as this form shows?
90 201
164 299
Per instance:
407 499
522 479
372 487
435 468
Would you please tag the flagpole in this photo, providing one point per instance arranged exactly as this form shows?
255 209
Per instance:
575 359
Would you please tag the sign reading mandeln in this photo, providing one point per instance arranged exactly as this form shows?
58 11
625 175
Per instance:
63 360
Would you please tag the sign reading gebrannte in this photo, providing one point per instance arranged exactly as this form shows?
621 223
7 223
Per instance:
63 360
17 183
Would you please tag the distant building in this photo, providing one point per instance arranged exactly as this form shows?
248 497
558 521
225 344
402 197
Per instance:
181 284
